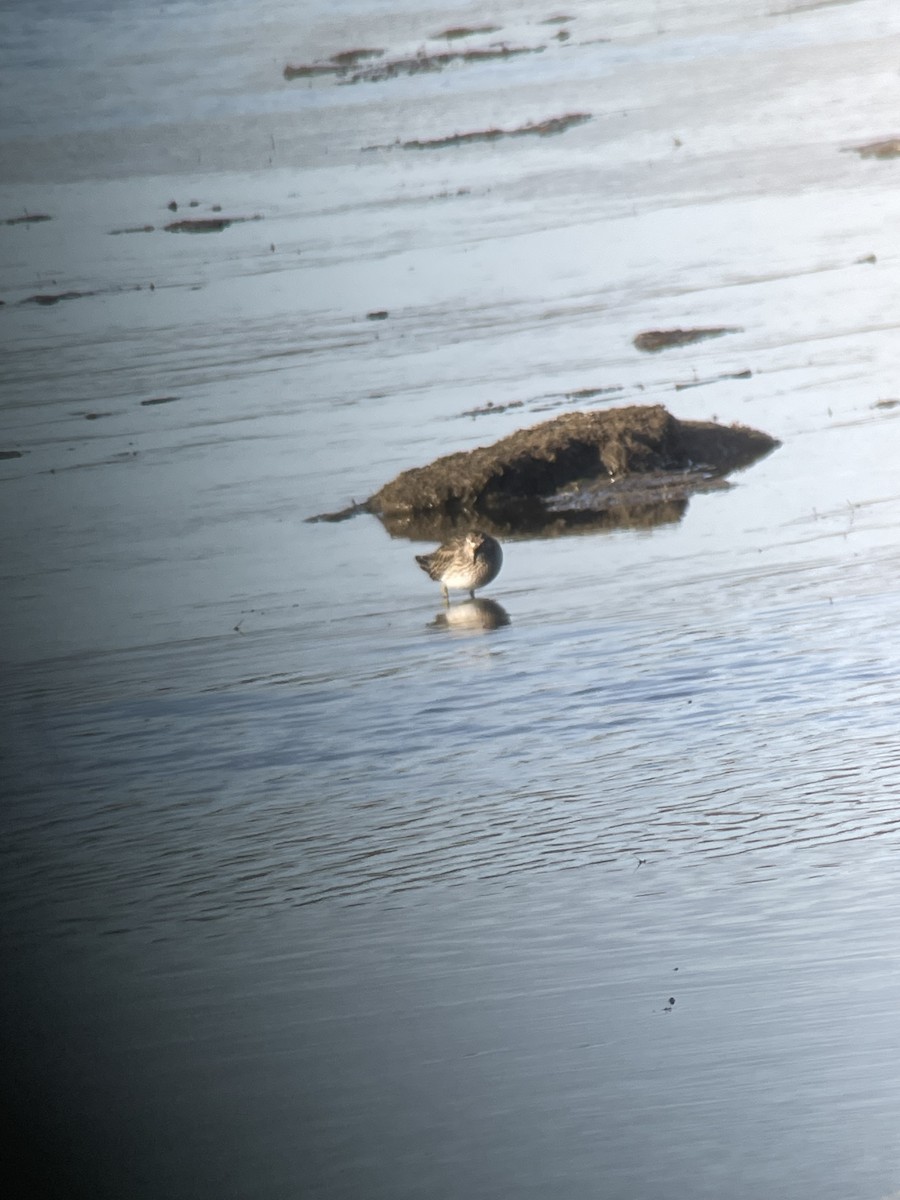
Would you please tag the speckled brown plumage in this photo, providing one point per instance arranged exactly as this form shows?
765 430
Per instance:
467 562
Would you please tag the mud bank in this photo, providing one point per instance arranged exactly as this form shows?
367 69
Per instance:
585 470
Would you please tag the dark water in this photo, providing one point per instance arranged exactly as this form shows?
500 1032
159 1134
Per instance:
310 888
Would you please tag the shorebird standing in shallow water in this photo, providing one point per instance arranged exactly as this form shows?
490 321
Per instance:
468 562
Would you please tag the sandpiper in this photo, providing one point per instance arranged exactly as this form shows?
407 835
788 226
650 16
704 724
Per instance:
468 562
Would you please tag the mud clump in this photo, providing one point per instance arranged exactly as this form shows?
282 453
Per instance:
655 340
464 31
890 148
208 224
349 58
27 219
45 299
625 466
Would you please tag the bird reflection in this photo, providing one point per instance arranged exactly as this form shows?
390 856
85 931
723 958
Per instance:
471 616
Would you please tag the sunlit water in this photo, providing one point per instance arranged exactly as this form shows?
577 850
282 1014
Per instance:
311 887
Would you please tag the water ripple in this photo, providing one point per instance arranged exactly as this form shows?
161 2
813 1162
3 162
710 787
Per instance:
540 754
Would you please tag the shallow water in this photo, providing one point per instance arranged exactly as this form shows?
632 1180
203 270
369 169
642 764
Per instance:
309 886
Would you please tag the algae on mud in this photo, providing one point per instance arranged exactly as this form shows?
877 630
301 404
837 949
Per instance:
654 340
634 466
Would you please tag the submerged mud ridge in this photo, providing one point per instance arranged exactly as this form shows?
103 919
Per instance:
347 69
420 63
27 219
620 467
464 31
548 128
45 299
337 64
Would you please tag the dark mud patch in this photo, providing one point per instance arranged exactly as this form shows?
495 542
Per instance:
336 64
464 31
491 410
890 148
133 229
622 467
351 66
380 314
886 404
207 224
423 63
352 510
159 400
350 58
561 20
172 206
548 128
27 219
11 453
311 70
45 299
592 393
655 340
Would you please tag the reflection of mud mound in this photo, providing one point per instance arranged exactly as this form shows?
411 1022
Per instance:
536 519
472 616
625 467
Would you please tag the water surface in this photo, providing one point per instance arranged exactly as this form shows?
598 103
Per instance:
307 889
